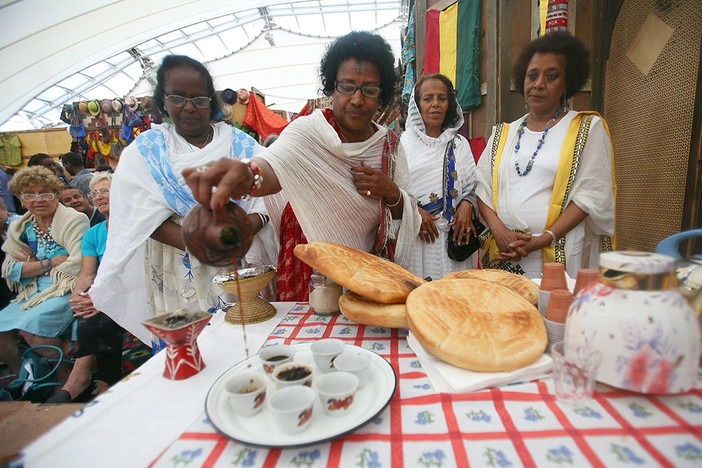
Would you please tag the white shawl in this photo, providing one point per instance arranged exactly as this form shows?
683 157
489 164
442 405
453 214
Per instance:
425 157
591 192
313 167
137 208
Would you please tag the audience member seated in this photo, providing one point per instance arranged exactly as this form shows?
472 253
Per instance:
5 293
43 159
80 176
42 263
98 335
73 198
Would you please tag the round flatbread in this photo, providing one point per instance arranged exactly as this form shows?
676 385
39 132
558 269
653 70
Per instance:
517 283
476 325
367 312
363 273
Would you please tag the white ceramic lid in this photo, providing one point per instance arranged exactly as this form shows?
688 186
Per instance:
637 262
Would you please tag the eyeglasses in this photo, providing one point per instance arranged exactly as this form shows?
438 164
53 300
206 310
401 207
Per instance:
103 191
30 197
350 89
201 102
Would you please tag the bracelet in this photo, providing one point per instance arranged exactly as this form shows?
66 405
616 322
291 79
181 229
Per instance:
394 204
553 236
264 219
258 178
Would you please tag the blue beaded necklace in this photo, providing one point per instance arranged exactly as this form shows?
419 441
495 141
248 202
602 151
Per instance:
539 144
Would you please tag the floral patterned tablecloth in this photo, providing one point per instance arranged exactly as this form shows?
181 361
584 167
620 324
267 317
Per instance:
517 425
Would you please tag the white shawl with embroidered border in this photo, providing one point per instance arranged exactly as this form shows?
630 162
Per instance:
313 167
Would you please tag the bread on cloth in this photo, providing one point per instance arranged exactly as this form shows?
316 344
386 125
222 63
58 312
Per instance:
363 273
367 312
517 283
476 325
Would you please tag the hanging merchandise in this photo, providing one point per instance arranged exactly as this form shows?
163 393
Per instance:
452 48
10 150
557 16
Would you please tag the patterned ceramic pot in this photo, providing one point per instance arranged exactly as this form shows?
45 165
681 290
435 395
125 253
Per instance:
646 330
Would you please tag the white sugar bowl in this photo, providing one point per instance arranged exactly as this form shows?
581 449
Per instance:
645 329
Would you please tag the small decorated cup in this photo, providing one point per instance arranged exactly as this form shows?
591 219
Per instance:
292 407
293 373
355 362
336 391
325 351
246 392
275 356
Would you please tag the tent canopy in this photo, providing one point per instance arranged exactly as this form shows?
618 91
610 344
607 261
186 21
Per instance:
66 50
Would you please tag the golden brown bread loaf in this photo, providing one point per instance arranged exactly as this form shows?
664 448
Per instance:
476 325
363 310
517 283
361 272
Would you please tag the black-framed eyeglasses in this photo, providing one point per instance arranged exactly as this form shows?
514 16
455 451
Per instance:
201 102
30 197
350 89
103 191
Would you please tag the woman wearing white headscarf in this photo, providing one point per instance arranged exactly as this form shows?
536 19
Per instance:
443 175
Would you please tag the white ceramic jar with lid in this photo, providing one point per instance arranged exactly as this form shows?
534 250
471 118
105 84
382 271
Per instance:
646 330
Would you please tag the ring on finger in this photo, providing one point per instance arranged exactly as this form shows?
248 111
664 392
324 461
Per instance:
203 168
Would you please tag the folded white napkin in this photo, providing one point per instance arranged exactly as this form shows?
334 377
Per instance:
447 378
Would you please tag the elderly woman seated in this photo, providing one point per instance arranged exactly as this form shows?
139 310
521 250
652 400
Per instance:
42 262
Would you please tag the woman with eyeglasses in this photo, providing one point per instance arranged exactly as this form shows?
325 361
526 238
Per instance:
99 336
345 177
145 270
42 263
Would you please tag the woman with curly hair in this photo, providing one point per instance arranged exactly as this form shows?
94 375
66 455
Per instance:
345 177
43 260
443 175
546 181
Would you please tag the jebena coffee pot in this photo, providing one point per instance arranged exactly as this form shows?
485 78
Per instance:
217 238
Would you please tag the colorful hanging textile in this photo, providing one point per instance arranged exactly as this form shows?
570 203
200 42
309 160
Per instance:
452 48
263 120
553 16
409 58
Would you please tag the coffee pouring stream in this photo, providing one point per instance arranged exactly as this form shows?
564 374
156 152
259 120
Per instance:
216 237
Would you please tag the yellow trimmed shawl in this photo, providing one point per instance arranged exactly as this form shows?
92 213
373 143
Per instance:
573 145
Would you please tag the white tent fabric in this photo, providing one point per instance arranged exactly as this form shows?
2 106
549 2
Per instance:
66 42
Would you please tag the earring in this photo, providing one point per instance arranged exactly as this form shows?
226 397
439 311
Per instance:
526 106
564 103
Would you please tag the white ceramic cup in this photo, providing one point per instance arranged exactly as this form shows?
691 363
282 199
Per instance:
293 373
291 408
246 392
355 362
336 391
325 351
274 356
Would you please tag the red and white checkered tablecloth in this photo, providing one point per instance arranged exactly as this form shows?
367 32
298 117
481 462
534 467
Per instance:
517 425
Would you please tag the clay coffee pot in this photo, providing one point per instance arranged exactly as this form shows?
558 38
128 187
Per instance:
217 238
